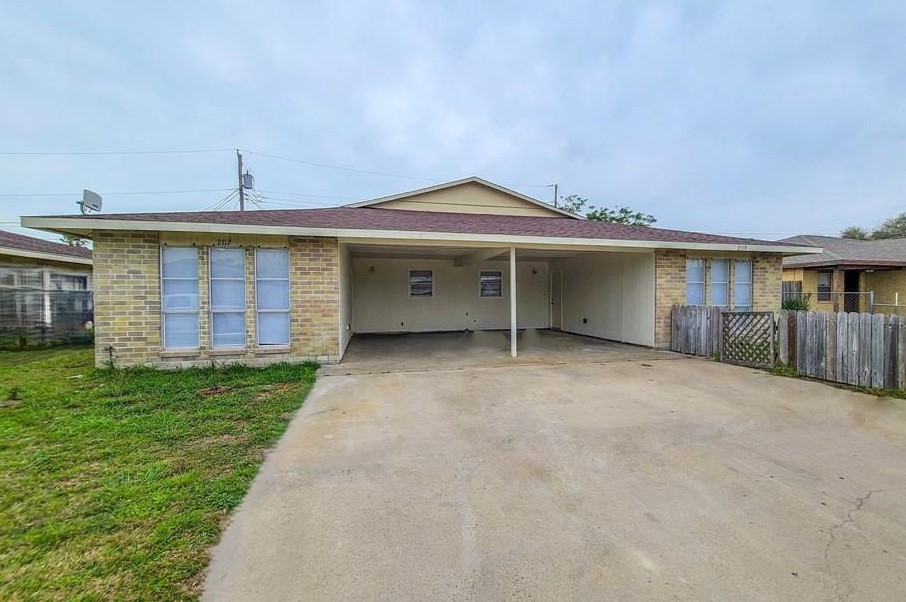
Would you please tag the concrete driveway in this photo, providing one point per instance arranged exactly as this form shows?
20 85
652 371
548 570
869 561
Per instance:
628 477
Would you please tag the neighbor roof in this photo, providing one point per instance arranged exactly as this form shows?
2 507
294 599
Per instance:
848 252
36 248
368 222
453 184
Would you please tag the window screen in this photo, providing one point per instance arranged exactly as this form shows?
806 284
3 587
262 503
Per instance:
742 285
272 296
227 297
179 302
421 283
490 284
720 282
695 282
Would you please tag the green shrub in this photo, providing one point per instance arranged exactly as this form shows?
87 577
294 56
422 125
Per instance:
796 303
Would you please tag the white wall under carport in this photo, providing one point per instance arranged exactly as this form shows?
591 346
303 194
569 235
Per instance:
609 295
381 301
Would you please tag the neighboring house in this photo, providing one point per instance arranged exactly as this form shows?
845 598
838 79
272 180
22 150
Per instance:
44 289
260 286
848 274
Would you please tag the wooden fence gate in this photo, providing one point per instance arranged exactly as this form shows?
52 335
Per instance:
747 338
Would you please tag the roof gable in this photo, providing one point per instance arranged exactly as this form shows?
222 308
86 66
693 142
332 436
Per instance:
847 251
470 195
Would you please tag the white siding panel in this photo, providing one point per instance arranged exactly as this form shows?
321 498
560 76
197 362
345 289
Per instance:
382 302
345 297
609 295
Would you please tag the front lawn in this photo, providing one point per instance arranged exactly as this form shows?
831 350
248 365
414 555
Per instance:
114 484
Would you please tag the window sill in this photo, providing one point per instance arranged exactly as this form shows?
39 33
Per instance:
227 351
272 350
179 353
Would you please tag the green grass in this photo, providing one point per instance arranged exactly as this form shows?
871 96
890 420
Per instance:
114 484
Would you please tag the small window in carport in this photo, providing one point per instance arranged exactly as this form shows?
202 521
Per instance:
421 283
490 284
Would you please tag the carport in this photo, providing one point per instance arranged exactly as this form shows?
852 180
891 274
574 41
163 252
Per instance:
419 287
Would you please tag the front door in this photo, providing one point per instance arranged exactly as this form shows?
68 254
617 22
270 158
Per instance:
556 307
851 296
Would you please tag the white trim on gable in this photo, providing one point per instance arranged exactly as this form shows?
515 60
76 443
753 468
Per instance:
469 180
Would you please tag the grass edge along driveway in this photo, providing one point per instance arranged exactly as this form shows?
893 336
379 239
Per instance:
115 483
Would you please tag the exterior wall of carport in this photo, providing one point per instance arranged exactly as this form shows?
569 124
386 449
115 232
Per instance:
128 309
382 302
670 270
609 295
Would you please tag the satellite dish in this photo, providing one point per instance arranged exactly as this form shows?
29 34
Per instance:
91 201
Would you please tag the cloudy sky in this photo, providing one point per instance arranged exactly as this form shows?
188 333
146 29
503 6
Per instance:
757 118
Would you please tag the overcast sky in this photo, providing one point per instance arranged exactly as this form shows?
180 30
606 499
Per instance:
757 118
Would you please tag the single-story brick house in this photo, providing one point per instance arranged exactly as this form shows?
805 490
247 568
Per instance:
259 286
849 275
45 289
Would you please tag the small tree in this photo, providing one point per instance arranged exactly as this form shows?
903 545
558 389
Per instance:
894 227
74 241
617 215
856 233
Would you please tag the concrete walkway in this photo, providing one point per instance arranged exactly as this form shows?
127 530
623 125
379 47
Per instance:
656 478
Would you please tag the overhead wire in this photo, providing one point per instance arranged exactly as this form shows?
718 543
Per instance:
122 152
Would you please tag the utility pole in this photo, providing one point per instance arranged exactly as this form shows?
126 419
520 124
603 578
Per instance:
556 198
241 189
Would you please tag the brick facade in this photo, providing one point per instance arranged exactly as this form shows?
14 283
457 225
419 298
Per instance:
670 288
128 307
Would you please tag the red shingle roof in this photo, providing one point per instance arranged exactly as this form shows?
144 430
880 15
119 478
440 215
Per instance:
20 242
369 218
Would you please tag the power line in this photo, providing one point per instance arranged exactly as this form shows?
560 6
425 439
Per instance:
122 152
42 194
341 168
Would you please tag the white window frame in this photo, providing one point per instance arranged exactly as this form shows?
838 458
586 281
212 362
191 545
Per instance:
824 291
211 279
289 300
726 282
751 283
409 284
164 311
701 283
481 274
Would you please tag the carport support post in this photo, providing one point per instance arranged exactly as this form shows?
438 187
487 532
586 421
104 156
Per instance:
513 301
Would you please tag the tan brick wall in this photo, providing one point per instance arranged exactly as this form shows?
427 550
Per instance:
670 289
126 297
315 296
885 284
127 300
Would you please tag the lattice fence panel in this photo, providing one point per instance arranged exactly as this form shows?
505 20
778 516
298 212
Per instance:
747 338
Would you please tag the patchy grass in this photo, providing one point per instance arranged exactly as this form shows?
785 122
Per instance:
114 484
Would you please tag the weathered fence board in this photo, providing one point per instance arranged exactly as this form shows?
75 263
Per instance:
867 350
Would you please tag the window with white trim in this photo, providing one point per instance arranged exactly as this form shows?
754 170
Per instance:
695 282
719 292
421 284
227 297
272 296
825 282
490 284
179 297
742 285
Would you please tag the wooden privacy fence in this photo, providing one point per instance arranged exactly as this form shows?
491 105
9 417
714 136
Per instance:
862 349
867 350
695 330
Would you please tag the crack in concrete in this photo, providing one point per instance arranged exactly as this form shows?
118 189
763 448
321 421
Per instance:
832 538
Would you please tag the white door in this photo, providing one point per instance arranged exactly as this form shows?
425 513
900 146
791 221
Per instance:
556 302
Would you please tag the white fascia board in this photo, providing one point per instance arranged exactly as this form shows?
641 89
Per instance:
44 256
57 224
